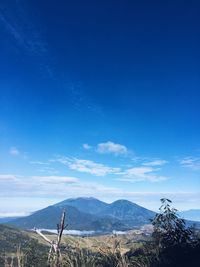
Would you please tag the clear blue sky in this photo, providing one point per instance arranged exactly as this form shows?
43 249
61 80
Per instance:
99 98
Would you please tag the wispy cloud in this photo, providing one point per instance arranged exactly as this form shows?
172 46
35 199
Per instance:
157 162
49 170
14 151
142 173
24 33
13 214
11 28
147 171
112 148
26 38
55 179
88 166
7 177
87 146
52 179
39 163
44 167
64 187
192 163
52 185
11 185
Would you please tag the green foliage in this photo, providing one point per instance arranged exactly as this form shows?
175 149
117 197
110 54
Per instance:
35 254
77 257
169 228
112 256
10 238
176 245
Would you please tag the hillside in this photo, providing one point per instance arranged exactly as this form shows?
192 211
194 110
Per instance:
8 219
50 216
12 239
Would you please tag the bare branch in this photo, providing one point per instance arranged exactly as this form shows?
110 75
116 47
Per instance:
43 236
54 252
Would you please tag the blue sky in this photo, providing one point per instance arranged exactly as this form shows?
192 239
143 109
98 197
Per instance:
99 98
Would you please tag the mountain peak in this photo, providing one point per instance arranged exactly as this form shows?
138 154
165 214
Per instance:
89 204
81 198
129 212
123 201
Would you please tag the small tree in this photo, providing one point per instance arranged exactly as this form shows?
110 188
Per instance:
169 228
176 244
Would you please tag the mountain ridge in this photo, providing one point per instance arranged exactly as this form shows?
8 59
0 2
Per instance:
88 214
92 205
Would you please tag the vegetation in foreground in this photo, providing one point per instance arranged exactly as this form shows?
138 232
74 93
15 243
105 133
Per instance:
171 244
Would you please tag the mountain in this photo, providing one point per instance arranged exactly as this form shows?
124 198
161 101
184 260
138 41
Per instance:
129 213
85 204
50 216
8 219
88 214
76 220
193 214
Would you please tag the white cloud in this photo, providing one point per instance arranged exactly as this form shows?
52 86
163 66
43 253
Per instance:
88 166
52 186
149 172
157 162
45 192
14 151
55 179
48 170
112 148
39 163
87 147
138 174
13 185
13 214
7 177
62 187
192 163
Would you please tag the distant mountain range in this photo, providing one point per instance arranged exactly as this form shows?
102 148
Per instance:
90 214
193 214
8 219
